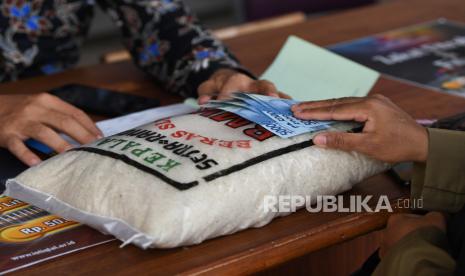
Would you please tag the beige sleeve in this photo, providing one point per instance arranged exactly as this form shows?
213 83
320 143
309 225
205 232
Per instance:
440 182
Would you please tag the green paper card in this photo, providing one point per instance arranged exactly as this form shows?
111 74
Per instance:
308 72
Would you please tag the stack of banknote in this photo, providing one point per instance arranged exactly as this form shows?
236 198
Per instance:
273 114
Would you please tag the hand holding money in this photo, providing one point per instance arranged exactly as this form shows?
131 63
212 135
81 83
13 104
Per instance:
226 81
389 134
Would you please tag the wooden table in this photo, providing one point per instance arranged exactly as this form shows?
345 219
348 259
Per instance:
323 243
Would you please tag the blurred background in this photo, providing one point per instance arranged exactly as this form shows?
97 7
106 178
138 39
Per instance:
105 37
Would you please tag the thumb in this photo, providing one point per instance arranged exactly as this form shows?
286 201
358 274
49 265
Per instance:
206 91
339 140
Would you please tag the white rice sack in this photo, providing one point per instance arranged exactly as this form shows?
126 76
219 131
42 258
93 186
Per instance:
182 180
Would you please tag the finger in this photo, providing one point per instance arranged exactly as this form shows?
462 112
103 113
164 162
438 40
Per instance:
437 219
18 149
395 218
69 126
204 99
341 141
206 91
236 83
266 88
324 103
343 112
59 105
284 96
49 137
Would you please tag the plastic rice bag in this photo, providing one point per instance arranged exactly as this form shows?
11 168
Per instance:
182 180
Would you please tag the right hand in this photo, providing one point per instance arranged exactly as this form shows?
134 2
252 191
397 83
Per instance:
41 116
389 134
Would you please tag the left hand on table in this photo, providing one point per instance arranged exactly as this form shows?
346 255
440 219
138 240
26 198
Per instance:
224 82
400 225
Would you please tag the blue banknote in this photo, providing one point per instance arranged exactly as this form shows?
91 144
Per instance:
273 114
280 109
259 118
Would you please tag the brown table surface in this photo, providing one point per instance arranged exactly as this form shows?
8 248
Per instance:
285 238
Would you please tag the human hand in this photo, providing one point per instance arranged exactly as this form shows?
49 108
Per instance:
40 116
389 134
400 225
226 81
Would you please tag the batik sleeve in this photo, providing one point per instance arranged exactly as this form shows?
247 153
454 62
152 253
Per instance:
167 42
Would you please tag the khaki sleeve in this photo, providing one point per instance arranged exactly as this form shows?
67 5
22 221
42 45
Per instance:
422 252
440 182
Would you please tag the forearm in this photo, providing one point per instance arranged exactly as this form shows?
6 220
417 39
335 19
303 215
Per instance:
167 42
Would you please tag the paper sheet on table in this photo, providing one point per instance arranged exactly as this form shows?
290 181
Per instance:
308 72
116 125
119 124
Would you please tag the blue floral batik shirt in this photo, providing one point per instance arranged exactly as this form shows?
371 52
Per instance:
164 38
